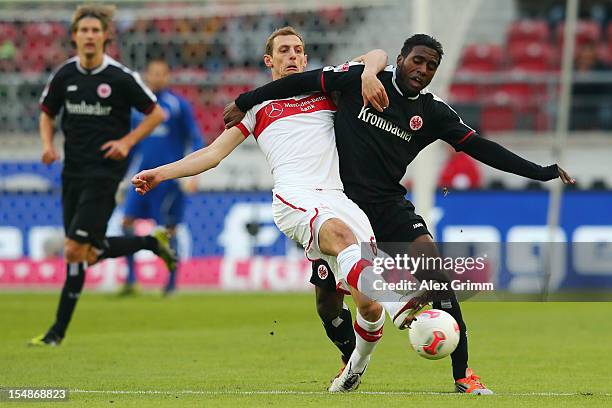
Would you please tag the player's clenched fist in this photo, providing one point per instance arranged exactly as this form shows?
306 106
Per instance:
49 155
146 180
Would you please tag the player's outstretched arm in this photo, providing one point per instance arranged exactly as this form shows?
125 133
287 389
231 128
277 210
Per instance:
497 156
192 164
119 149
46 126
291 85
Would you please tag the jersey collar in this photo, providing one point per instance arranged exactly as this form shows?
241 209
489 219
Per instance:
397 88
94 71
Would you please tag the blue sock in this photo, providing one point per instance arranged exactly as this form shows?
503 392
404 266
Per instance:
131 276
172 276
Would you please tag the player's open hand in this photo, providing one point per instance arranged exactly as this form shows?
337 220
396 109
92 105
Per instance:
565 178
146 181
373 92
49 155
116 149
232 115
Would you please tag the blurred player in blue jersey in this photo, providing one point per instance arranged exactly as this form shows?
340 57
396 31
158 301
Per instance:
167 143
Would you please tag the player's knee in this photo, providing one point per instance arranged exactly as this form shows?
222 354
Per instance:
371 311
335 235
74 251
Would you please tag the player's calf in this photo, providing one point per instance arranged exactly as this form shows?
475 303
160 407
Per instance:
337 321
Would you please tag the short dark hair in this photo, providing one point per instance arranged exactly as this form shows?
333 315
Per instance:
422 39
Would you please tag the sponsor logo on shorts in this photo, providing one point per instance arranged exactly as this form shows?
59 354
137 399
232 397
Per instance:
417 225
416 122
81 233
72 88
104 90
323 272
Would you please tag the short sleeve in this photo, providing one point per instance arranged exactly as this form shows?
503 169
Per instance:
135 118
138 94
52 98
448 126
247 125
340 77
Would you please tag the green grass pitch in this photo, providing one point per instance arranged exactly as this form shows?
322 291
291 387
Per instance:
270 349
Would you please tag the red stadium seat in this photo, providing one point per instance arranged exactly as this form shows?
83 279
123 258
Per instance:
497 118
531 57
481 58
189 92
520 92
463 92
528 31
515 106
8 31
604 51
38 31
586 31
210 120
229 92
165 26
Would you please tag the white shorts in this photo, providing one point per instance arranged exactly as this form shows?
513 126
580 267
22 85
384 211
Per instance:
300 215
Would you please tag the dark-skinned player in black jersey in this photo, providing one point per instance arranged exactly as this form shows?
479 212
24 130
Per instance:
375 144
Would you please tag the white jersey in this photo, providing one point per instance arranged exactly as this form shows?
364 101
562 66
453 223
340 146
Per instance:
297 136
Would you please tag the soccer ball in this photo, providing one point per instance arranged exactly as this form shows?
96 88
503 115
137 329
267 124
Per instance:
434 334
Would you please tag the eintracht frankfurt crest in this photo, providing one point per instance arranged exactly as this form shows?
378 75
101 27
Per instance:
104 90
416 122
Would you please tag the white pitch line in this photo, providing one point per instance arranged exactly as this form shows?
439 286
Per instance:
281 392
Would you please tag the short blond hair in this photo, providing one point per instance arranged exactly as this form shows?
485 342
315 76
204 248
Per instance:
287 30
102 12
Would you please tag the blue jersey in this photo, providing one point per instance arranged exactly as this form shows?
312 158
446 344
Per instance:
170 140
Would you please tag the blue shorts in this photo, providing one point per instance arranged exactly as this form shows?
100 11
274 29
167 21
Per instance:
165 204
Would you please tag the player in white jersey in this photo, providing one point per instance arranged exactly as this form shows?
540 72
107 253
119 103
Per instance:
309 205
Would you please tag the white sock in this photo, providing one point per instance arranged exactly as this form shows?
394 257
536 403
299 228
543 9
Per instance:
367 336
359 273
347 258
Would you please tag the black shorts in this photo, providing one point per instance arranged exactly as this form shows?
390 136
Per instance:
87 206
322 276
394 220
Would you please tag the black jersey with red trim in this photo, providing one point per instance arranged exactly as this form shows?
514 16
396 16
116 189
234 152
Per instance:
375 148
96 107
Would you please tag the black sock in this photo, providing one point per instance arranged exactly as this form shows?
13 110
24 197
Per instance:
340 331
460 355
115 247
75 278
